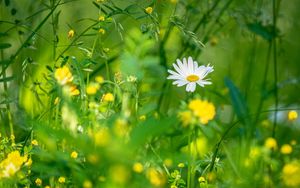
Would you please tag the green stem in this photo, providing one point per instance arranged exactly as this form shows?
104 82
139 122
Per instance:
5 87
190 159
160 159
54 31
275 12
264 82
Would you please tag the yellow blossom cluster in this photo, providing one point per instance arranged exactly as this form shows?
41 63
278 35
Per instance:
12 164
155 177
64 76
202 110
290 174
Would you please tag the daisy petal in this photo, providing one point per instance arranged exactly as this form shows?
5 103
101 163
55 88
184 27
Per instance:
192 86
185 63
178 69
180 83
173 72
191 65
182 67
175 77
203 82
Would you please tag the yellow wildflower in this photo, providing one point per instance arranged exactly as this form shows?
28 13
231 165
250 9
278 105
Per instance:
74 91
204 110
38 182
292 115
119 174
149 10
138 167
142 117
101 31
29 162
63 75
181 165
11 164
106 50
101 18
286 149
121 127
168 162
201 179
102 137
71 34
108 97
271 143
87 184
155 177
254 152
99 79
101 1
186 117
34 142
47 186
92 89
61 179
74 154
290 174
214 41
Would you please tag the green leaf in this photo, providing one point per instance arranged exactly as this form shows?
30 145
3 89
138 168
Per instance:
6 79
265 32
4 62
4 45
237 100
150 128
2 34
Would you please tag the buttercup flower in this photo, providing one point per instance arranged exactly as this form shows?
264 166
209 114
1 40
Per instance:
74 155
101 18
108 97
271 143
63 75
286 149
71 33
189 73
38 182
12 164
74 91
149 10
202 109
61 179
102 31
292 115
290 174
138 167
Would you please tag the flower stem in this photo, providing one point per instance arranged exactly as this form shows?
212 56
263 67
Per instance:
189 159
275 66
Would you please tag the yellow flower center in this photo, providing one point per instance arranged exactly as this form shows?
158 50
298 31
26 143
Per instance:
192 78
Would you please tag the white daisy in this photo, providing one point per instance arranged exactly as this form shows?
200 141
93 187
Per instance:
189 74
